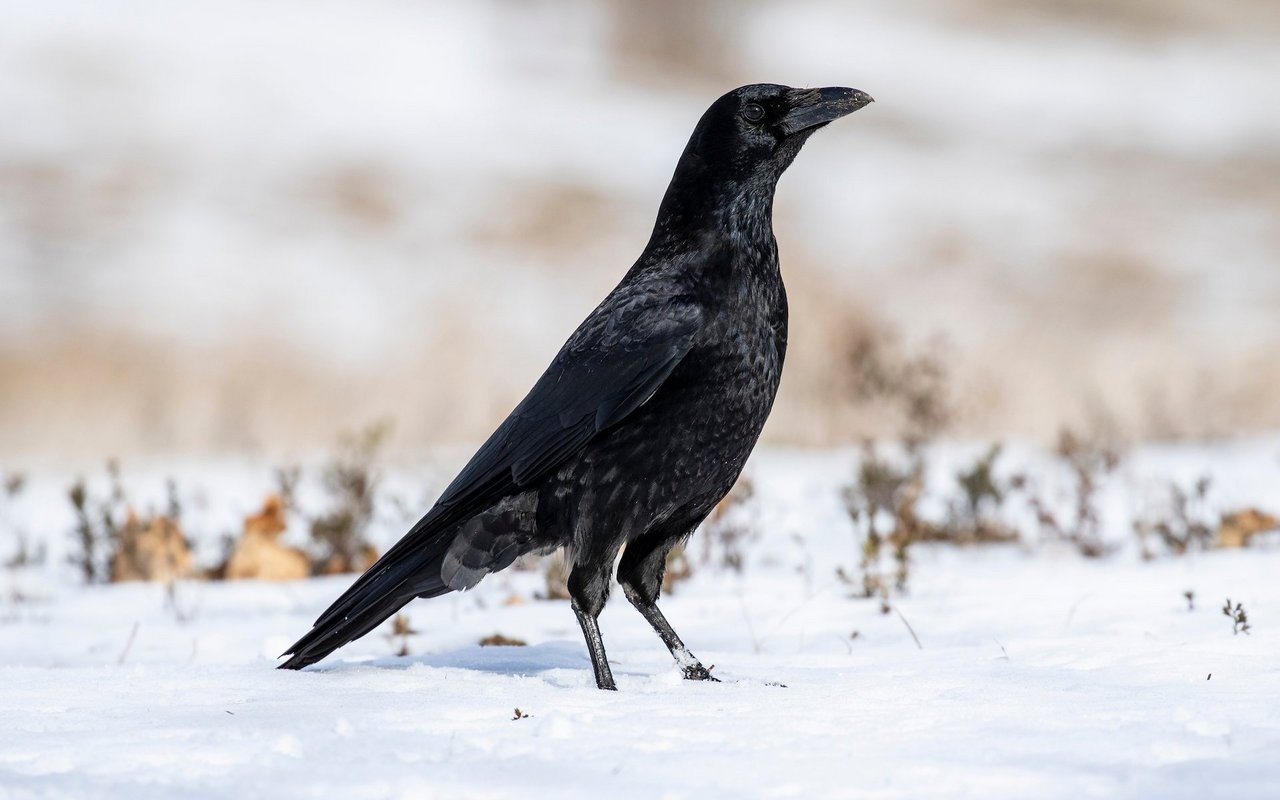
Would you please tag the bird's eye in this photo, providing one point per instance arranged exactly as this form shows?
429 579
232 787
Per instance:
753 112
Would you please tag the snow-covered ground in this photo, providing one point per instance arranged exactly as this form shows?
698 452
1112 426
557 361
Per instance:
1038 673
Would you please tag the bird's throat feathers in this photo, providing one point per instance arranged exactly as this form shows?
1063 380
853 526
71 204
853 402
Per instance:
699 204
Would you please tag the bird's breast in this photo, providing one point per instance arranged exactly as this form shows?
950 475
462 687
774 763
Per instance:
738 365
683 449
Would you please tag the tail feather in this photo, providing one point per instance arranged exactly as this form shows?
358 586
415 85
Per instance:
383 590
320 641
414 554
447 550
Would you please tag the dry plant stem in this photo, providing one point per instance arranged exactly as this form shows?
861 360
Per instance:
1239 618
910 630
351 479
133 633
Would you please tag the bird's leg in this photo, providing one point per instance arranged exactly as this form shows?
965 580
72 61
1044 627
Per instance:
587 595
595 646
692 667
640 574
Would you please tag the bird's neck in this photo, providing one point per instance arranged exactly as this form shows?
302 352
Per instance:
695 209
749 217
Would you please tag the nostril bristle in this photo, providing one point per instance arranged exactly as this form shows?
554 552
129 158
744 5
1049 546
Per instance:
805 96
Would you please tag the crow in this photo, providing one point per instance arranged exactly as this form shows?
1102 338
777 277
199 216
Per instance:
645 417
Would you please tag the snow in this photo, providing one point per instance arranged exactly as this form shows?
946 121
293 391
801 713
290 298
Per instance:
1038 673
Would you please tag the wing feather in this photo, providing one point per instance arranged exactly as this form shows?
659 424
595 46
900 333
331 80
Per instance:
616 360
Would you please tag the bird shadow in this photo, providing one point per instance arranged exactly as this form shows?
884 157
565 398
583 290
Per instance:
563 664
515 661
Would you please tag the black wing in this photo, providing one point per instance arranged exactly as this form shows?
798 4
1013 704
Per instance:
611 365
616 360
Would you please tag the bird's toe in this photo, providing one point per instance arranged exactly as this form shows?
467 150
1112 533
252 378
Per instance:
697 672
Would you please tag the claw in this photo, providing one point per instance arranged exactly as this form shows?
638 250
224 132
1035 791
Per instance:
697 672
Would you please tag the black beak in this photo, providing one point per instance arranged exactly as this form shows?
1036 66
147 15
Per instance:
811 108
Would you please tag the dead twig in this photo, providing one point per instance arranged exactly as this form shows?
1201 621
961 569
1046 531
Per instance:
128 645
910 630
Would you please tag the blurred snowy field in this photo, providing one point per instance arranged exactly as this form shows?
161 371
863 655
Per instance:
240 227
1037 673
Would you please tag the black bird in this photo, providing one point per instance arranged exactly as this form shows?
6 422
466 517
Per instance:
645 417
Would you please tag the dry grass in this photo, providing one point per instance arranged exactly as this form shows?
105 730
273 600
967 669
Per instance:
351 480
152 549
1089 460
1238 528
259 554
80 394
113 541
1099 320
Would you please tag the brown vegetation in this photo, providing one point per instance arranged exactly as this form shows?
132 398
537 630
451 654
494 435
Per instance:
1239 527
259 554
1089 460
114 542
151 549
555 572
498 640
351 479
728 530
401 630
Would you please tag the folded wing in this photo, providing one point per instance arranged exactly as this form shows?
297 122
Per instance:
616 360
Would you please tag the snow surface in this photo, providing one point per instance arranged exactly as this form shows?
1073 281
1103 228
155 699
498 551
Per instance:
1039 673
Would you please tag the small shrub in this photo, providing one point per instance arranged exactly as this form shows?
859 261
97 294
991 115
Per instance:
679 568
149 549
881 502
974 515
1088 462
1239 619
401 630
351 480
729 529
915 384
287 479
95 533
23 553
1182 524
113 542
555 571
173 502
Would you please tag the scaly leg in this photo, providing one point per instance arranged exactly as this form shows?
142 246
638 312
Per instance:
640 573
587 592
595 646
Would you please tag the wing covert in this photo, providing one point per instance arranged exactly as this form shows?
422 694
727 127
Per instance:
616 360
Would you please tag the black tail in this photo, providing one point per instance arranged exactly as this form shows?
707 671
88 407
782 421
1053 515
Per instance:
322 640
408 570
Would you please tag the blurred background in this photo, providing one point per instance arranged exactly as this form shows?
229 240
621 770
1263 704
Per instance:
239 227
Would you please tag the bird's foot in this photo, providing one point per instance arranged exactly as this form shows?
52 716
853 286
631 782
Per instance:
697 672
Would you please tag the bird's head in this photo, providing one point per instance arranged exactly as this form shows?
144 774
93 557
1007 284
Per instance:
754 132
742 145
